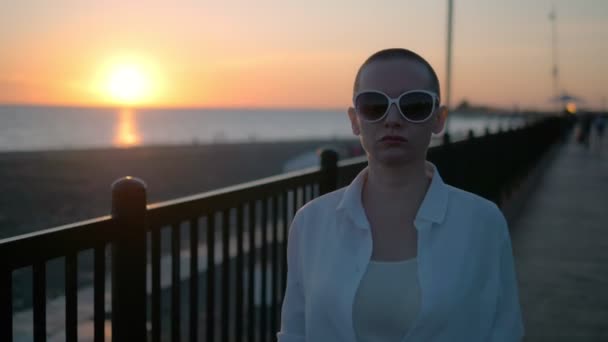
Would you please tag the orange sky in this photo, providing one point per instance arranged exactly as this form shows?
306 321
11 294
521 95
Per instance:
293 53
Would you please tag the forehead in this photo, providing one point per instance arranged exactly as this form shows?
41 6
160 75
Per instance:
395 76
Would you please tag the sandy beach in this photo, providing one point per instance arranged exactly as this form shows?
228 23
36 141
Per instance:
46 189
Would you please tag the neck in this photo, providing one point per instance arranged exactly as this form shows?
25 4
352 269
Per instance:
397 186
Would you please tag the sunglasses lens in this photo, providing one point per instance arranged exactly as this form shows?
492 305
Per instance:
371 106
416 106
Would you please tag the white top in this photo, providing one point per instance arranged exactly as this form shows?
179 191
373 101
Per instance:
467 278
387 301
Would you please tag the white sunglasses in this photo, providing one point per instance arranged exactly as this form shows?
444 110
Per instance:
415 106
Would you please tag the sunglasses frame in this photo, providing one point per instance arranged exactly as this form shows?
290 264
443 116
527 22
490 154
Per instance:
395 101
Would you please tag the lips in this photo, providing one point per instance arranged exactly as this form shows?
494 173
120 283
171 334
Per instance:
393 138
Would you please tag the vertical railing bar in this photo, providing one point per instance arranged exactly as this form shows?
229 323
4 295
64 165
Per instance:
294 199
6 305
308 193
328 177
156 292
296 203
99 279
39 282
285 228
263 262
225 275
175 283
239 275
274 270
251 321
210 328
71 297
193 280
297 200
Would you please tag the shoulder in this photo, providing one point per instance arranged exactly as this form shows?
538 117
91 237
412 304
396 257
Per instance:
313 221
320 207
465 199
319 216
476 208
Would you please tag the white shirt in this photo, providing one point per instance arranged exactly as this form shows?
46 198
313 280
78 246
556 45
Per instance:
465 268
387 301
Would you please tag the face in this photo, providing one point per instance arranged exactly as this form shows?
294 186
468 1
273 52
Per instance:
394 141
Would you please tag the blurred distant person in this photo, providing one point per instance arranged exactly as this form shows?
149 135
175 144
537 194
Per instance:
584 129
398 253
600 123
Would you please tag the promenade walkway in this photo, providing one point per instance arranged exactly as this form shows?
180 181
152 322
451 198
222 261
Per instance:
560 244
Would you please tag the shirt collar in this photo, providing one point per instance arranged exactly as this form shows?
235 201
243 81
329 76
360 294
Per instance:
432 210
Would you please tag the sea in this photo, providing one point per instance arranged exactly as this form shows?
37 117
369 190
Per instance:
40 128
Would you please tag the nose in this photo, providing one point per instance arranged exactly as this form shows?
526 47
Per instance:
393 117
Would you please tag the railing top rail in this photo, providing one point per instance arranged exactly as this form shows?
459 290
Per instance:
290 177
16 251
27 249
55 230
184 208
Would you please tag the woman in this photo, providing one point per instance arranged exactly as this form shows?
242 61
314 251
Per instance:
398 255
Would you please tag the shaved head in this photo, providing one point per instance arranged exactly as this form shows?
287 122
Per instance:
396 54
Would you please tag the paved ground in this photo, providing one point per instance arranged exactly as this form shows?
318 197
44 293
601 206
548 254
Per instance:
560 243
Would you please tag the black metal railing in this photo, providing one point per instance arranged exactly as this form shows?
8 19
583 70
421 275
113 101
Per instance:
235 251
255 215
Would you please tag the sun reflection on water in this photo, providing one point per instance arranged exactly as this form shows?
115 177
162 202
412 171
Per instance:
126 130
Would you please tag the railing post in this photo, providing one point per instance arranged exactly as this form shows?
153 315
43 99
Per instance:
446 138
6 305
129 261
329 171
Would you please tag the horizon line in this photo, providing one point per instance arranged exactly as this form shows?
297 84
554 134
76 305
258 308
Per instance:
474 108
144 107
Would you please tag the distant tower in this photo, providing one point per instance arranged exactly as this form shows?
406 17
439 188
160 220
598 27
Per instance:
555 72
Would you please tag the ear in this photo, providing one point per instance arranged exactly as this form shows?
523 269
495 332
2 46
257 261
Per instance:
439 121
354 121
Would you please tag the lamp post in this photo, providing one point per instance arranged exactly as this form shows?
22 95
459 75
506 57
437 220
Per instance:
554 71
448 80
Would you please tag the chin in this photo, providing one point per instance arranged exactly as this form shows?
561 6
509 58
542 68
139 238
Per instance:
395 158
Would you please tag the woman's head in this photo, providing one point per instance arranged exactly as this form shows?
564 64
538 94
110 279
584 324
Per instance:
403 54
388 81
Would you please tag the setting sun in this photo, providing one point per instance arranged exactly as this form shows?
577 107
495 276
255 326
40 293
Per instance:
128 79
127 84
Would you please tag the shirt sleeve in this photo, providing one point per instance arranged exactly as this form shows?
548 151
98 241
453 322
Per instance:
508 325
292 312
